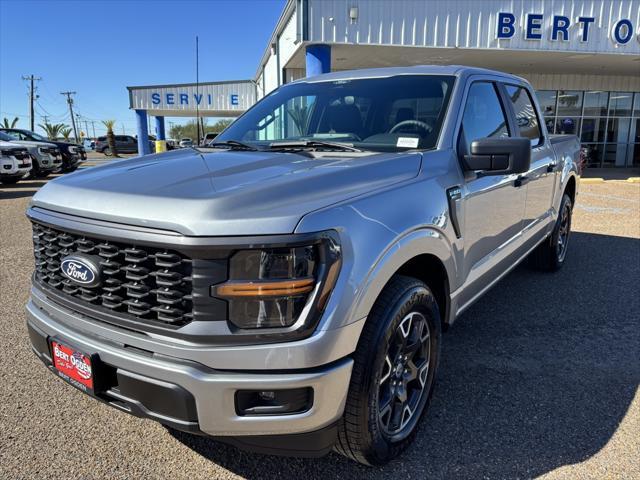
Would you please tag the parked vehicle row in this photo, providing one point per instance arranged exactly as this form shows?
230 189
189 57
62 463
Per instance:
45 156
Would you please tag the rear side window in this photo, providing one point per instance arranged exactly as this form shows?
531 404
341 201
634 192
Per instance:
483 114
525 114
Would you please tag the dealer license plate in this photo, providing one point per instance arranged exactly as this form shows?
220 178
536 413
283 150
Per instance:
72 365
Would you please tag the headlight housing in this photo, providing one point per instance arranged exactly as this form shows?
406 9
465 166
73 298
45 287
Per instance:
280 287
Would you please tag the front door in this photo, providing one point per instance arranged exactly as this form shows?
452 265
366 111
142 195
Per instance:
493 204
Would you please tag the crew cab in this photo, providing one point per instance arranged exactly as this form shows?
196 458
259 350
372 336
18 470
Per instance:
72 154
15 162
285 289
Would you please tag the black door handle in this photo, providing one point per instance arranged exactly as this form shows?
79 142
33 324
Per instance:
521 180
551 167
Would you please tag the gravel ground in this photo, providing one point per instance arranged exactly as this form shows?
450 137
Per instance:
538 379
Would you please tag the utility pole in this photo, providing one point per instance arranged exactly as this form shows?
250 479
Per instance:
73 120
46 119
31 78
79 123
93 126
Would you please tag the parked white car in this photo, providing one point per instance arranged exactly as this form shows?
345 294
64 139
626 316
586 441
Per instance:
15 162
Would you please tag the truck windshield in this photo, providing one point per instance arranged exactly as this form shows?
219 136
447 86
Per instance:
380 114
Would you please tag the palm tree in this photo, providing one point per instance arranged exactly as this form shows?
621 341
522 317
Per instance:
66 133
53 131
9 124
111 139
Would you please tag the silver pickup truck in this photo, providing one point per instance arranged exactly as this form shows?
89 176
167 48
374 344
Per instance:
285 289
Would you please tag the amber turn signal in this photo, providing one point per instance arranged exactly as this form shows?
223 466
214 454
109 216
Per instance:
266 289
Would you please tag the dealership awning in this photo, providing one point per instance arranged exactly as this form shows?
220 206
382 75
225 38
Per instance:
209 99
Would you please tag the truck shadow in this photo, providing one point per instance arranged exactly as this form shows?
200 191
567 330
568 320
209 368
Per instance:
538 374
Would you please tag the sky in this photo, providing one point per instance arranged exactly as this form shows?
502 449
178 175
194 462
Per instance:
98 48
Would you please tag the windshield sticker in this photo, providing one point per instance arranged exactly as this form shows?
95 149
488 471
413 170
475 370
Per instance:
407 142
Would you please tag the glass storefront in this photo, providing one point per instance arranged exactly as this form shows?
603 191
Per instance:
607 123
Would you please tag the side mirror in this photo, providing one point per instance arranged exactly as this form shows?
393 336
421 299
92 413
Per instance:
499 156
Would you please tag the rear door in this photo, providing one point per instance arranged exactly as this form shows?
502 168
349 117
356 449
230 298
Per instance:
493 204
540 178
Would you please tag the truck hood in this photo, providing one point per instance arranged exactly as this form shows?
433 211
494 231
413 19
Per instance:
224 192
29 144
10 144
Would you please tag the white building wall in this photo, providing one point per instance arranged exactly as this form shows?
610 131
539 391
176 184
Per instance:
617 83
469 23
287 42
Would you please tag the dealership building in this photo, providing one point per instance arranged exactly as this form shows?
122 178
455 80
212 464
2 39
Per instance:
581 56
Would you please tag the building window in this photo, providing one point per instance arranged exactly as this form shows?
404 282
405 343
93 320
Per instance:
596 103
620 104
569 103
607 123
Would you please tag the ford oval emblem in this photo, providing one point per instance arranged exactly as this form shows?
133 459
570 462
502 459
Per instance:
81 269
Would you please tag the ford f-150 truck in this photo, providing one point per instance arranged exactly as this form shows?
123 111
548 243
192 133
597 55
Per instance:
285 289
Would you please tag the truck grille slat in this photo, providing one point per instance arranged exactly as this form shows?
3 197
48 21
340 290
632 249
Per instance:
138 282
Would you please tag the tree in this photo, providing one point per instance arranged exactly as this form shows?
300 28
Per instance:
9 124
190 129
53 131
66 133
111 139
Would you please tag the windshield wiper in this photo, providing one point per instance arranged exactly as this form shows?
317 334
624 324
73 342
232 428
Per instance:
233 145
313 144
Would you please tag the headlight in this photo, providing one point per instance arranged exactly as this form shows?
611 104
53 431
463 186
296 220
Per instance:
280 287
43 151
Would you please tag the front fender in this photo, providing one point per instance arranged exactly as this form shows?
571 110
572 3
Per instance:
418 242
378 234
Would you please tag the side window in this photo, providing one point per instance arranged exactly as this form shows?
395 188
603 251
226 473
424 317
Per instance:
525 114
483 114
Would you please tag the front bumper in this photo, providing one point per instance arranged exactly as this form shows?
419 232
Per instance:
189 395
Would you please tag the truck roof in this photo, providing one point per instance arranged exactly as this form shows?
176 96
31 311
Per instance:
455 70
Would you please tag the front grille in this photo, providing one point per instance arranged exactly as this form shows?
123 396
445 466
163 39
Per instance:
18 153
50 151
138 282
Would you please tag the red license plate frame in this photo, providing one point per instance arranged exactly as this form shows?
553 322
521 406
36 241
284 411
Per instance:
73 365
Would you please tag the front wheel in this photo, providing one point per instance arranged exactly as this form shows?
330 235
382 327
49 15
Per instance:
393 374
107 152
551 253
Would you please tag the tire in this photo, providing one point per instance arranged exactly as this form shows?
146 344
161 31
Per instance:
9 180
69 169
35 171
550 255
369 432
107 151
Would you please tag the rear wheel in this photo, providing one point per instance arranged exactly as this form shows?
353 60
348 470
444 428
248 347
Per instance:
551 253
107 151
393 374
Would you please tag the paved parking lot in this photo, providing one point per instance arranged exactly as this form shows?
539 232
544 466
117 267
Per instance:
539 378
